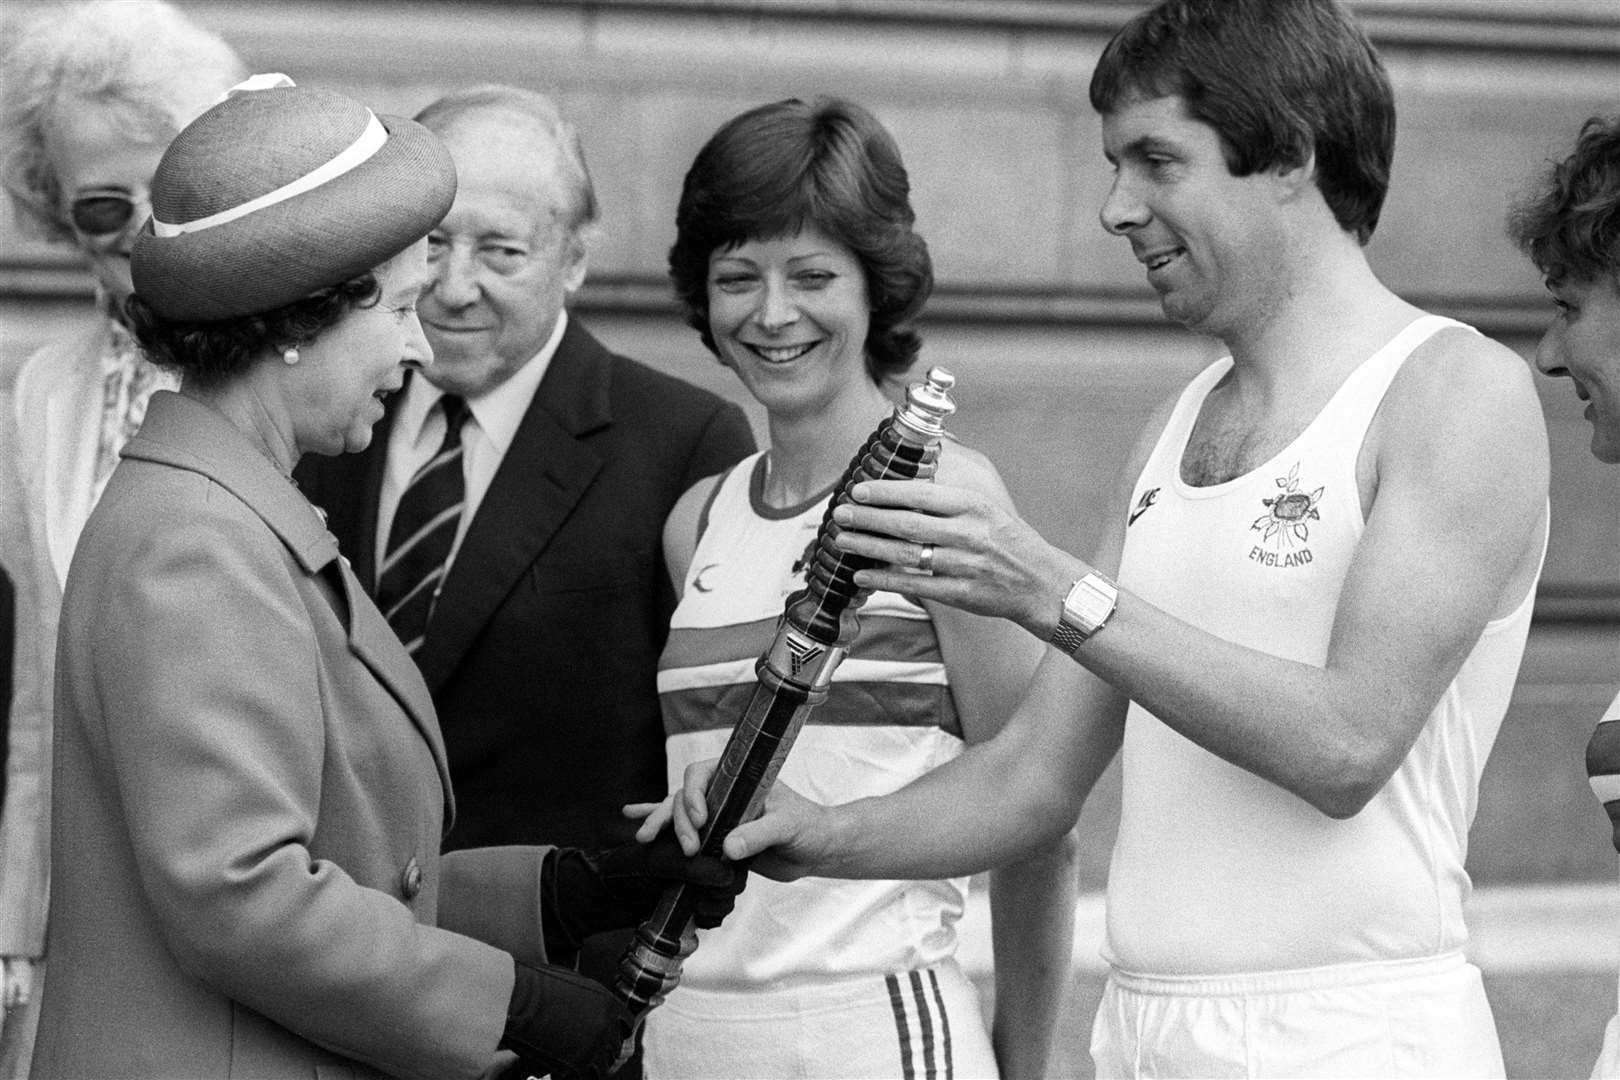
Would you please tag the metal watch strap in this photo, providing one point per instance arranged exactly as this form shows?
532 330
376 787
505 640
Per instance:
1067 638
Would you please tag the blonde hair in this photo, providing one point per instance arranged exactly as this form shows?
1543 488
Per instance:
143 57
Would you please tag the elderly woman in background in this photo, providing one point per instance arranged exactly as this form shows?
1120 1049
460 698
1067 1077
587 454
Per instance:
798 265
252 784
1570 228
90 94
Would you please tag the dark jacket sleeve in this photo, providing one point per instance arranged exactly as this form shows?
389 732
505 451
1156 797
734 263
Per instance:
725 440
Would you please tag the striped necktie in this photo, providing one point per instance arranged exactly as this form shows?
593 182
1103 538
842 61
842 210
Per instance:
423 532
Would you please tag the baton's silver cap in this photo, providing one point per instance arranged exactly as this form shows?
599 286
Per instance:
929 402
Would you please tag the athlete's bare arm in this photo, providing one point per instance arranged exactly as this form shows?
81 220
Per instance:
1452 538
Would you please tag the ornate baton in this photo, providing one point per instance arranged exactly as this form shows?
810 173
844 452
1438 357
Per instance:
818 625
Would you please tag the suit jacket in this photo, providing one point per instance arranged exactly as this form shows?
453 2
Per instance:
543 649
251 790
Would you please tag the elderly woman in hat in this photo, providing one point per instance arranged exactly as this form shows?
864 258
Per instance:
251 785
90 94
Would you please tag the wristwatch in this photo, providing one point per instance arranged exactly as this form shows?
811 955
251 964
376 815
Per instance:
1085 609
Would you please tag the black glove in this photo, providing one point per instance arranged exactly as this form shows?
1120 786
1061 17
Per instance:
561 1023
585 894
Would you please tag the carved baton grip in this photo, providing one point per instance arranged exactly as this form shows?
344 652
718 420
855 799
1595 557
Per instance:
818 625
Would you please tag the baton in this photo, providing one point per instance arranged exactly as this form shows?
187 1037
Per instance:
817 627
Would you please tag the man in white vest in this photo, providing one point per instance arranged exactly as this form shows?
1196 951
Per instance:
1306 616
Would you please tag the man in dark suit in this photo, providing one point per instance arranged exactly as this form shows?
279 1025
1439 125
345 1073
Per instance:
548 616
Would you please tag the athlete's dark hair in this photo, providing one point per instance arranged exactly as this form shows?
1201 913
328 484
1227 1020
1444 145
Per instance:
1278 80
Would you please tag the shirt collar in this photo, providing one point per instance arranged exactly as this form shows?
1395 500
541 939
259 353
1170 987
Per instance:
498 412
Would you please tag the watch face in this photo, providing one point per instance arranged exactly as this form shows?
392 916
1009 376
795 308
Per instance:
1089 604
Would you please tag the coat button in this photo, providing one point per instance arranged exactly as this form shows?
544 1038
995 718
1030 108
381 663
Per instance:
410 879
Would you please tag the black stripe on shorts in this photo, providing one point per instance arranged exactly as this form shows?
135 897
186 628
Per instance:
912 1004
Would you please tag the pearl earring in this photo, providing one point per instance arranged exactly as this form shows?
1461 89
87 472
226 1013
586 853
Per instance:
289 355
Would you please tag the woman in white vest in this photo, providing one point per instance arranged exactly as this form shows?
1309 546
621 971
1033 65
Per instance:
797 263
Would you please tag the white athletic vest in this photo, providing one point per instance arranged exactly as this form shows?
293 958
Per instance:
888 719
1217 871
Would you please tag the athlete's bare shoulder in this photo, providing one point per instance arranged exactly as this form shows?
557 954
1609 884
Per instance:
1460 439
681 526
1463 382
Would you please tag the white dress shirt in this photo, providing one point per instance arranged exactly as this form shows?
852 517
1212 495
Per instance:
492 423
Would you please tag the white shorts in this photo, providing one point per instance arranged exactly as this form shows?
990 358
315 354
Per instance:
1417 1018
915 1024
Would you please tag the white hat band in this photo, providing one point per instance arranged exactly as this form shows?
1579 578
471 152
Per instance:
370 141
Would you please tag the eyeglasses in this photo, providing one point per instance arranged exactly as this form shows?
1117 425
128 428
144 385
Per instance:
102 213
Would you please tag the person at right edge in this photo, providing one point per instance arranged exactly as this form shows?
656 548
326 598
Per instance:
1306 616
1570 228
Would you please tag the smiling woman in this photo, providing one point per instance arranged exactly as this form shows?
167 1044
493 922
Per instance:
797 261
789 315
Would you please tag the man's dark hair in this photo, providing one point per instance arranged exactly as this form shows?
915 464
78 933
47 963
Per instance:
1278 80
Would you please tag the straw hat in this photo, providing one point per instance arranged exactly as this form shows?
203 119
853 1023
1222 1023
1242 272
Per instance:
278 191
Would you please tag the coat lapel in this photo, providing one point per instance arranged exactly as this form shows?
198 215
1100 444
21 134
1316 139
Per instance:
187 434
546 471
376 645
